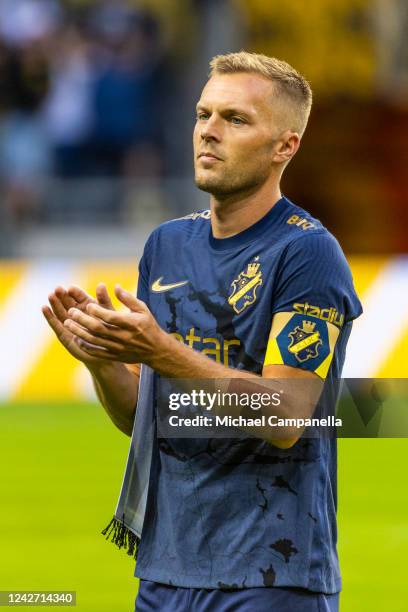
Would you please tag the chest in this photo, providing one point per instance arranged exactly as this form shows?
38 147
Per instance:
219 303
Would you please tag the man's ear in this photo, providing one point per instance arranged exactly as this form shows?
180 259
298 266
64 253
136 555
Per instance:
286 147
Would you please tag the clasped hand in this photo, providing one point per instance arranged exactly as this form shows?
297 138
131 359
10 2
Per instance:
129 337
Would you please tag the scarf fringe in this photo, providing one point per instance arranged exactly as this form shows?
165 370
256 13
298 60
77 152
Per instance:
123 537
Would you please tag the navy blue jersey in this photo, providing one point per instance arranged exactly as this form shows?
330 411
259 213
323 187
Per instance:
241 512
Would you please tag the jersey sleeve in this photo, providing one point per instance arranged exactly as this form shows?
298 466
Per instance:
144 271
314 299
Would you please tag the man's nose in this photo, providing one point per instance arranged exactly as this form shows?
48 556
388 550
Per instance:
210 130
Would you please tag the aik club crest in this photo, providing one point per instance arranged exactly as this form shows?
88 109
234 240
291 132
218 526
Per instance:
305 341
244 287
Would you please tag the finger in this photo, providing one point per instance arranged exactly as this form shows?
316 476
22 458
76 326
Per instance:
95 351
84 334
55 324
129 300
50 317
57 307
64 297
78 295
103 296
111 318
93 324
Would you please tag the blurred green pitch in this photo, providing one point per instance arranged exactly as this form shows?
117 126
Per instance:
61 471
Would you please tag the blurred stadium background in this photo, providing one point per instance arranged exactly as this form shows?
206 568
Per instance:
96 112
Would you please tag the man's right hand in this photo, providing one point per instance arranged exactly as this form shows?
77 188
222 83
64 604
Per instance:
61 300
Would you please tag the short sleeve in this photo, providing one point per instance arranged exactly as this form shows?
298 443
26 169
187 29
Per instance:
314 299
144 271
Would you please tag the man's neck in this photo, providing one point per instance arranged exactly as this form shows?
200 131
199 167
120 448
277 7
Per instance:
230 216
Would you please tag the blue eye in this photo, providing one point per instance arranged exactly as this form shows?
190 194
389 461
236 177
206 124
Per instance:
236 120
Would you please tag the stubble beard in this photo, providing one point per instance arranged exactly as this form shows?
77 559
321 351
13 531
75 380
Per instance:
222 187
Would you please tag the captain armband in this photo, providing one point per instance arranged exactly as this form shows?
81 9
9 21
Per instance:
301 341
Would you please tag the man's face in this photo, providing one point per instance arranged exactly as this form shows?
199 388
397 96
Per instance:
235 134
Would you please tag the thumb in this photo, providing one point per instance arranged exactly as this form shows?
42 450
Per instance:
103 297
130 300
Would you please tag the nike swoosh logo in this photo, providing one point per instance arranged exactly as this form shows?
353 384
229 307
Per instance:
157 287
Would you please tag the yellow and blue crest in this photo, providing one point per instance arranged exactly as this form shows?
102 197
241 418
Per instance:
301 341
305 341
244 287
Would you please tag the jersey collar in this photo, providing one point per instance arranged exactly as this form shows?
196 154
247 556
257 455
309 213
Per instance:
252 232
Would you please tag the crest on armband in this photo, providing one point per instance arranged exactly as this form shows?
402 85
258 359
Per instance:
305 341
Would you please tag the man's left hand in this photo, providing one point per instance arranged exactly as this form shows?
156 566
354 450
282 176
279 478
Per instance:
129 337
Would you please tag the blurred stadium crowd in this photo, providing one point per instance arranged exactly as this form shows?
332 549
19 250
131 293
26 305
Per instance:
97 105
80 97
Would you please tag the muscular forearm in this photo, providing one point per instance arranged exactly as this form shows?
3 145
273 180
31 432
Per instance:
176 360
116 386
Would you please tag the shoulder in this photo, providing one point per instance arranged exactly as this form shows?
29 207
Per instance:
314 270
195 218
315 258
311 255
181 226
317 243
307 237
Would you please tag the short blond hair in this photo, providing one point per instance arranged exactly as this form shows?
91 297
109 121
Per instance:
290 84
